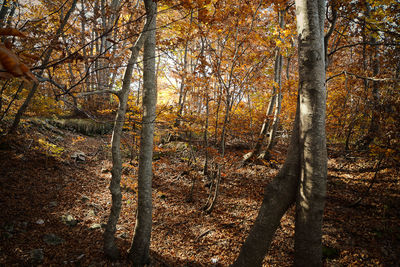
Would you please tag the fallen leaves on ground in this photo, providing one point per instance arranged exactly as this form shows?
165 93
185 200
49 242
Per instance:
39 189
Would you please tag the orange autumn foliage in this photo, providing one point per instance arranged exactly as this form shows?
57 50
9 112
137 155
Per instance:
10 64
11 32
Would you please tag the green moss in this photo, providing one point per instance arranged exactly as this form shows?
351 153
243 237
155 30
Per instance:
83 126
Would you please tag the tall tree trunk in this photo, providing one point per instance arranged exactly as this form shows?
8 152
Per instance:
45 59
303 175
109 15
206 143
219 100
85 51
110 248
182 88
226 122
313 161
269 125
139 251
278 81
374 122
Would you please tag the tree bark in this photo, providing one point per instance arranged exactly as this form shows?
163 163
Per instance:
278 100
206 143
108 22
139 251
279 195
182 88
110 248
303 175
269 125
313 160
373 128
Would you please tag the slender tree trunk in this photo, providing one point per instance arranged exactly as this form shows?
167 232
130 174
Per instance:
250 116
46 58
219 100
374 122
264 129
20 88
139 251
110 248
205 169
182 88
278 80
269 125
312 186
86 72
274 126
109 16
225 125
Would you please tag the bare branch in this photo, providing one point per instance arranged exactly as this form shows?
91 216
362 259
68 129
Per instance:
374 79
107 91
361 43
43 79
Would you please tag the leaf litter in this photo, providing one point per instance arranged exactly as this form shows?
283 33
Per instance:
39 189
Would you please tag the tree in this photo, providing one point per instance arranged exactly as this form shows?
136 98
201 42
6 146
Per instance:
139 251
269 126
110 248
45 60
303 175
313 159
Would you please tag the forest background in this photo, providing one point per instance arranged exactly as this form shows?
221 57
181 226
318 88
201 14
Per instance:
226 73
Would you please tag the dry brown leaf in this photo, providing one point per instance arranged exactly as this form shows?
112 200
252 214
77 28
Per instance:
11 32
11 66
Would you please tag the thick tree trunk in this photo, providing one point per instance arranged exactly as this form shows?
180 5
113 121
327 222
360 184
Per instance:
139 251
303 176
312 94
110 248
279 195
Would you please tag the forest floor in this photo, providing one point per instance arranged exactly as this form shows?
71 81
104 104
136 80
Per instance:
54 207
